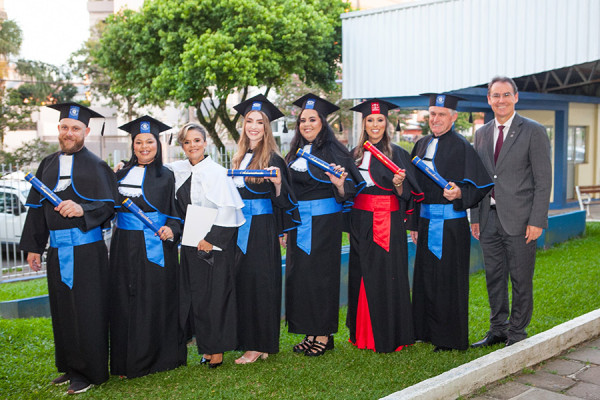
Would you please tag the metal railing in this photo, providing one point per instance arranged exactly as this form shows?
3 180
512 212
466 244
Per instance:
13 195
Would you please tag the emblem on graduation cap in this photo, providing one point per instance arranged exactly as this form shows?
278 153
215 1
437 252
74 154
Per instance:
443 100
313 102
374 106
259 103
75 111
145 124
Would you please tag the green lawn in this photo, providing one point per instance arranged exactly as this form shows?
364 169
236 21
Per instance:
566 286
23 289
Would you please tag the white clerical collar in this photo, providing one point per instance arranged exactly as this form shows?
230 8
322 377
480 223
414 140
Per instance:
239 180
364 168
65 162
131 185
301 164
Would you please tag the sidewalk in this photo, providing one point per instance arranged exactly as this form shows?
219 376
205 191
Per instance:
581 334
575 374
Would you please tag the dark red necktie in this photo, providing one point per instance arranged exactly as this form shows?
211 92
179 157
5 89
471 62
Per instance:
499 142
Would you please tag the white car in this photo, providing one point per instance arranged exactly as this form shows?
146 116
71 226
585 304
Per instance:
13 195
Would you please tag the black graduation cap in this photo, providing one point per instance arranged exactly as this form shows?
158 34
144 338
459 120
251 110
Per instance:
442 100
259 103
145 124
313 102
374 106
75 111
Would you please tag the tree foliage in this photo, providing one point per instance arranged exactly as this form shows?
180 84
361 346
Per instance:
32 152
114 92
197 53
11 38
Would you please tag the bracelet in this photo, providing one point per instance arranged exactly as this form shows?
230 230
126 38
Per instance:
400 184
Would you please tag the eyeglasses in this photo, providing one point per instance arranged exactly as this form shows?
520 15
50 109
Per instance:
497 96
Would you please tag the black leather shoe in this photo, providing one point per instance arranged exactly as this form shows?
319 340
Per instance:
441 348
489 340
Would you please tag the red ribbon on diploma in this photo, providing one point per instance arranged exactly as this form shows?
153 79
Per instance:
382 157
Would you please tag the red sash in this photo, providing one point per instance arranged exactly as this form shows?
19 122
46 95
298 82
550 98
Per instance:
381 206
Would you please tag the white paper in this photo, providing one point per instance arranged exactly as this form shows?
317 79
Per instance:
198 221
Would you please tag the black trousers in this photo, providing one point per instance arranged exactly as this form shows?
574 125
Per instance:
508 256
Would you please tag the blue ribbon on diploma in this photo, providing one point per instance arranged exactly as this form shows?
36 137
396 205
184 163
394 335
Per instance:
260 173
317 162
251 207
437 178
43 189
135 210
65 240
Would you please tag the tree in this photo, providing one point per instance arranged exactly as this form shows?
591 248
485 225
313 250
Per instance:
44 83
11 38
87 68
32 152
197 53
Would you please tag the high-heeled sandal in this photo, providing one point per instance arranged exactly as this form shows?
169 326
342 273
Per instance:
245 360
304 345
319 348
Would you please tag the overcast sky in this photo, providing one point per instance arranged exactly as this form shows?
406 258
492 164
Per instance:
52 29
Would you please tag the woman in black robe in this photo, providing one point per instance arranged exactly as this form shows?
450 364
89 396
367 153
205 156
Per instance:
207 303
144 297
379 311
269 204
314 249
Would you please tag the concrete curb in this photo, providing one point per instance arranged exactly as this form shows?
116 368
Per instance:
503 362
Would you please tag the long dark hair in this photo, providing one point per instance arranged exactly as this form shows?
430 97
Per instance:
157 162
324 137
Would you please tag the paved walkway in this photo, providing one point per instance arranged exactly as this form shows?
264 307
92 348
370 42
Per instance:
575 374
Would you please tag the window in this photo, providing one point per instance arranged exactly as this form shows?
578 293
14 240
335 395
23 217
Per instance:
576 150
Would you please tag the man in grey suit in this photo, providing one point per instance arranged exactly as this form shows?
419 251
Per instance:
516 153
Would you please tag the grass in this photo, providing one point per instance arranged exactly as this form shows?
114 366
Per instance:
566 286
23 289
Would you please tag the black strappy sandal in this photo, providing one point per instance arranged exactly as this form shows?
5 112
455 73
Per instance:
304 345
318 348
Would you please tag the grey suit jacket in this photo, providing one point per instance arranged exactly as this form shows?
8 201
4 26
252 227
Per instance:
522 175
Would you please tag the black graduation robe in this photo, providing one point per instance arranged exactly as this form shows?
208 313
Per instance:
258 271
441 287
207 290
384 274
80 314
144 325
312 286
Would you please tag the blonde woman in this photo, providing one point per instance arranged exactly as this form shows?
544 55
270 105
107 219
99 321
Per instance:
270 211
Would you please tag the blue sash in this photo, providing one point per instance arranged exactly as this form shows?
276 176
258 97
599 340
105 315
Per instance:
251 207
64 240
309 209
154 247
436 214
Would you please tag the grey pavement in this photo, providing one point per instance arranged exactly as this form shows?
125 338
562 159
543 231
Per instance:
574 374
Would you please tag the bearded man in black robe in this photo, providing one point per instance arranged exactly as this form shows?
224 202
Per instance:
77 259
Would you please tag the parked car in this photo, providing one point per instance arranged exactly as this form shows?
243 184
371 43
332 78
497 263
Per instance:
13 195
